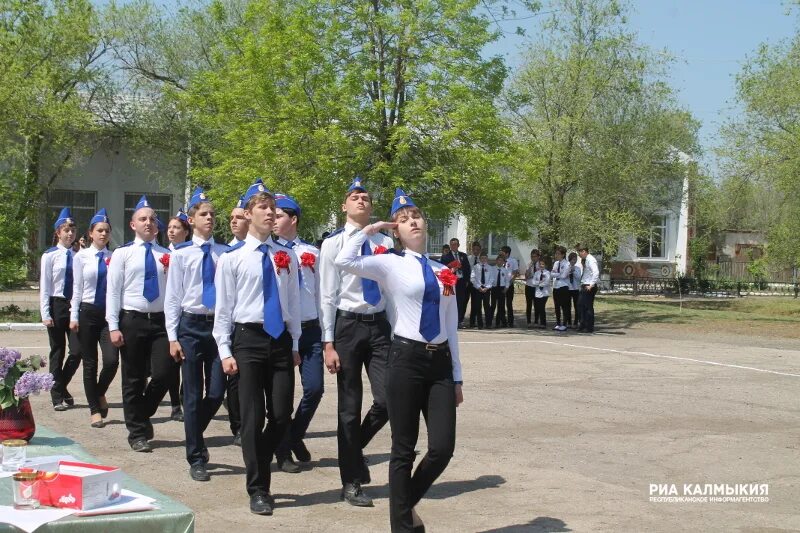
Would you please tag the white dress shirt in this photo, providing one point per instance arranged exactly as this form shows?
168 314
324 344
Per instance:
309 295
591 273
125 281
52 274
560 274
340 289
240 291
530 271
185 282
84 278
489 279
401 278
575 284
541 280
234 242
512 265
505 276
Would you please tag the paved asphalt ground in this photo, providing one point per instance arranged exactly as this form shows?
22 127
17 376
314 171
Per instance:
558 432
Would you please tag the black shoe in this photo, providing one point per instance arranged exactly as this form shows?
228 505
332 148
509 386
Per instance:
365 478
60 406
237 439
352 494
199 472
148 432
287 465
141 445
69 400
261 504
301 453
177 414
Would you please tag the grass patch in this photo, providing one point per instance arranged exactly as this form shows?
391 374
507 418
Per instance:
13 313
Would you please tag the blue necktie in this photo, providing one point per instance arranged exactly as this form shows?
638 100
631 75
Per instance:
150 291
100 287
372 294
291 245
429 326
273 315
209 292
68 277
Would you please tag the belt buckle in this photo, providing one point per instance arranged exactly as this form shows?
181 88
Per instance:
432 347
368 318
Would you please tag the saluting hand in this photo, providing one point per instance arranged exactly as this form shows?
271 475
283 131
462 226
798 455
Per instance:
372 229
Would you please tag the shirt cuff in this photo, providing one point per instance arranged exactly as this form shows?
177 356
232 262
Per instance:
458 383
113 326
295 345
225 351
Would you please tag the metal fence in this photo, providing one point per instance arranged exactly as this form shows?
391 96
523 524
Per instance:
700 287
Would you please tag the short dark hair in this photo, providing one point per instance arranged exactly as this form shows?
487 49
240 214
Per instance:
506 249
572 255
259 197
582 248
562 250
290 212
483 254
196 207
535 251
476 243
456 240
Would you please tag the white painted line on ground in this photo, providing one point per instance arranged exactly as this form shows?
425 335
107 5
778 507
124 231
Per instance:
626 352
29 347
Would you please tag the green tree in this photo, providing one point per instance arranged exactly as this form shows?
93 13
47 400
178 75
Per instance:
598 132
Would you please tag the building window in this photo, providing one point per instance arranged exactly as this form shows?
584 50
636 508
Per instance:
161 203
83 205
651 246
436 236
492 243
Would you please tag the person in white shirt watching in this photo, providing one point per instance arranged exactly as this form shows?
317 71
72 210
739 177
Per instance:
589 280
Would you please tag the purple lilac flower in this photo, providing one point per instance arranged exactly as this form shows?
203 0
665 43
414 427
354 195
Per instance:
8 358
45 381
26 385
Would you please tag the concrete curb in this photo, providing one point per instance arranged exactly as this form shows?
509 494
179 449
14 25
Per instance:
21 326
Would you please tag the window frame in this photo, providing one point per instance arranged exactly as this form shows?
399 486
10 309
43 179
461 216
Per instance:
651 232
82 214
127 212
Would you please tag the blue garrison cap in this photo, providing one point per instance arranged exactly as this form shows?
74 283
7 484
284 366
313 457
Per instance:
100 216
64 217
286 202
401 200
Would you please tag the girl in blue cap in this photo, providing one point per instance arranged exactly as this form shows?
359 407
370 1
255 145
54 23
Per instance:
178 232
55 293
424 371
88 316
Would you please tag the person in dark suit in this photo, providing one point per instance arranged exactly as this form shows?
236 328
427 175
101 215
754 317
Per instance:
463 273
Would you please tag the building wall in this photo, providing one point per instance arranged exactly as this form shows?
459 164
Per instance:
113 170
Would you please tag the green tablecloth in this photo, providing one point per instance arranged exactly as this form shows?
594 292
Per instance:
170 517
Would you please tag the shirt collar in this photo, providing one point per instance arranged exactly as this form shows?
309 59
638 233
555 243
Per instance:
415 254
281 240
200 242
349 229
61 246
95 249
137 240
255 243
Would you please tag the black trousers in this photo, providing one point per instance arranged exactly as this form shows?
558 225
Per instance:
562 303
232 403
586 306
540 313
93 330
529 294
497 304
510 305
481 305
266 390
574 295
462 298
359 344
417 381
60 335
146 345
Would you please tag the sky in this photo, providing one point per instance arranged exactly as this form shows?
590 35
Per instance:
710 39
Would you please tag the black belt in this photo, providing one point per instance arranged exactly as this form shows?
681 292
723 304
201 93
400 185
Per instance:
138 314
59 298
198 317
424 345
258 326
86 306
314 322
361 317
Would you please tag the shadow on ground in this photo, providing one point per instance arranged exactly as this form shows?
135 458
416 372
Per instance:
541 524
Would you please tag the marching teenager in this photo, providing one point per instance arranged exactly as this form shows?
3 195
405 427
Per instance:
355 334
589 279
541 283
530 286
574 277
239 226
482 282
257 329
137 277
88 316
178 232
512 267
55 293
424 372
459 265
189 311
561 299
287 217
502 279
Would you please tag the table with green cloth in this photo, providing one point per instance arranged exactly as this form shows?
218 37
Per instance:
169 517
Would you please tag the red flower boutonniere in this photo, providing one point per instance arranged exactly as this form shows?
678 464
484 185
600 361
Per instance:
308 260
379 250
448 279
281 260
455 265
164 261
108 261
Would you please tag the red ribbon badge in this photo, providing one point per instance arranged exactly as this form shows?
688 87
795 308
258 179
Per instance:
164 261
282 260
448 279
308 260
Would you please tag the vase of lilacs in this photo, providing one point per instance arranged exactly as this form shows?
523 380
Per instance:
19 378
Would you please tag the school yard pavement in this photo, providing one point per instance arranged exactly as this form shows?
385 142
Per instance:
557 433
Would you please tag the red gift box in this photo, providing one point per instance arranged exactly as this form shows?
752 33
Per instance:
79 486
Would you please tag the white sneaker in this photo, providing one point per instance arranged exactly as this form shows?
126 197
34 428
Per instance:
557 328
562 328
